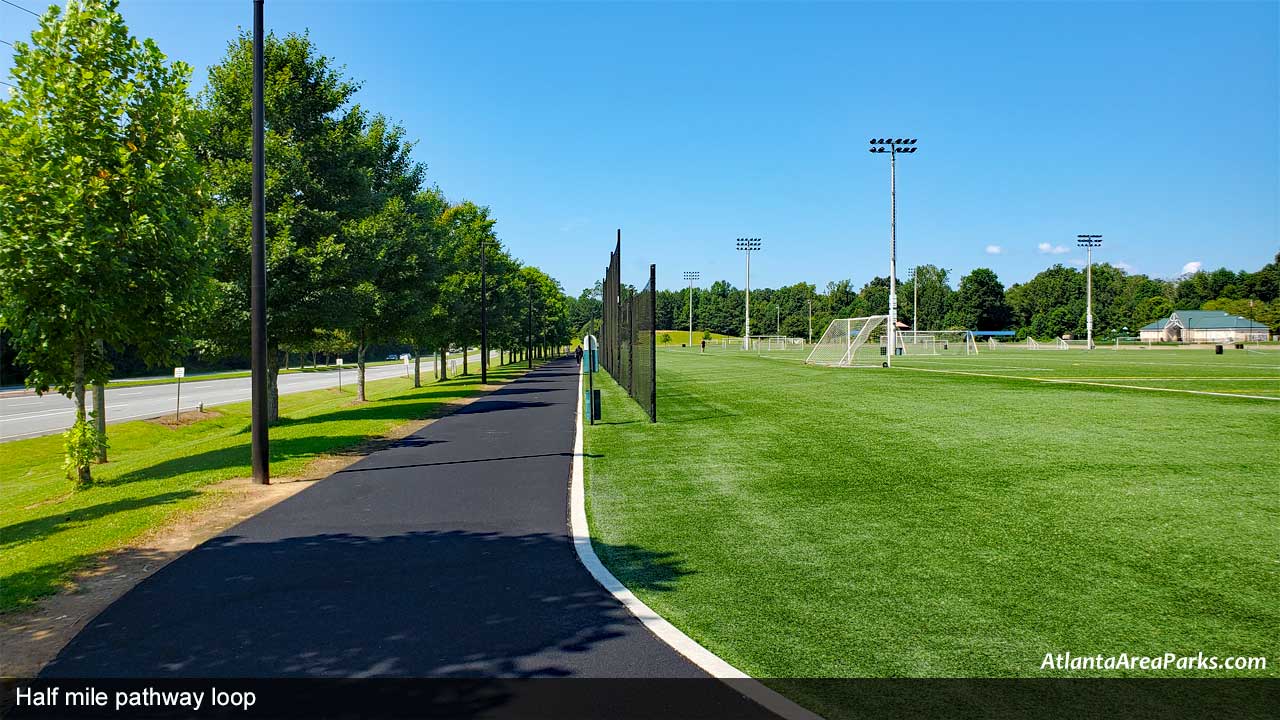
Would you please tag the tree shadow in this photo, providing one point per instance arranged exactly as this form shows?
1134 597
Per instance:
43 527
363 469
237 456
419 604
498 405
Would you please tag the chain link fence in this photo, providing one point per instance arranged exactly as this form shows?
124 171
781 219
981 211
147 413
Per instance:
627 343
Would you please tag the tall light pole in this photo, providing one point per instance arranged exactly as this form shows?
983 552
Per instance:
1089 242
778 308
748 245
893 147
810 319
258 386
484 321
692 277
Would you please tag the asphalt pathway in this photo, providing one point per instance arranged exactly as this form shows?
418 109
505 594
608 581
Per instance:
446 555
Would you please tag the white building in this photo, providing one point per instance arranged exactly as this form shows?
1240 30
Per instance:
1204 326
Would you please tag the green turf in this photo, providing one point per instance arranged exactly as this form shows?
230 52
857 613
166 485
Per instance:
835 522
47 529
676 337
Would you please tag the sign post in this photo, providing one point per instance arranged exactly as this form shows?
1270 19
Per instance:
339 374
405 360
589 359
178 373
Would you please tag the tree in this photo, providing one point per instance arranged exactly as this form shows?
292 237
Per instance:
98 191
979 304
318 175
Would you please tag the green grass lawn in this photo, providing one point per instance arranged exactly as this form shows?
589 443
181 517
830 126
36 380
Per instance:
682 336
864 522
48 530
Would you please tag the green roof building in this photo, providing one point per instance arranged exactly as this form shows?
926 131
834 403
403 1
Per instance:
1204 326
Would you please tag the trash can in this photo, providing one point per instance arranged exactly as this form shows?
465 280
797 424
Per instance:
1217 349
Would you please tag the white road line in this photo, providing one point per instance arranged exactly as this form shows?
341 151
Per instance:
711 663
28 416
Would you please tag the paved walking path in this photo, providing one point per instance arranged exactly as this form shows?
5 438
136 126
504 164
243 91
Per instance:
447 554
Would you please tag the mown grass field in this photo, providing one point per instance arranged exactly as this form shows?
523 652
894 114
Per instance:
869 523
676 337
48 529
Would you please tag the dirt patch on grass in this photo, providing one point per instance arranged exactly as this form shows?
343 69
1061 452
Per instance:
186 418
33 637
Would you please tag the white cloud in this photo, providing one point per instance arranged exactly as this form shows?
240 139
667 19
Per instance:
1048 249
1192 267
1122 265
994 249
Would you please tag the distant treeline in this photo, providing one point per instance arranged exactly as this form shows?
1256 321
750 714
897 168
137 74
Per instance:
1051 304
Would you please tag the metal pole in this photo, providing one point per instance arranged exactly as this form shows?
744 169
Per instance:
1088 313
530 353
746 337
691 313
893 256
259 448
484 321
915 299
177 411
810 320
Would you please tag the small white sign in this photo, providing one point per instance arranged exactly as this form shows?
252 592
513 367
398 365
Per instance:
179 372
339 362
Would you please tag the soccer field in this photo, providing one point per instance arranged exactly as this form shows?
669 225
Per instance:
952 516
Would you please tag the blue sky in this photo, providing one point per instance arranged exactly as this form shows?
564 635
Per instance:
688 125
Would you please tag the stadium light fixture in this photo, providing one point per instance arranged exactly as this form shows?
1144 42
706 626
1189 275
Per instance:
692 276
1089 242
748 245
893 147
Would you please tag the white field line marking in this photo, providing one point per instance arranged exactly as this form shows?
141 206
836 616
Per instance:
1087 382
1160 389
1146 377
710 663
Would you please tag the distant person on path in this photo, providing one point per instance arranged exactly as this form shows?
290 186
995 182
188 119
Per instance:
577 352
704 344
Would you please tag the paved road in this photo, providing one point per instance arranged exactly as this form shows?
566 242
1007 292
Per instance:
447 555
30 415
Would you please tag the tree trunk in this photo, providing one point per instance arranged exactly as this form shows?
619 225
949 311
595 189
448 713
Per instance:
360 348
273 385
286 359
100 413
464 360
417 368
444 363
83 476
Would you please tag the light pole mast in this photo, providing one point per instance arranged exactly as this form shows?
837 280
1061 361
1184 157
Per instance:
893 147
692 277
1089 242
747 245
259 384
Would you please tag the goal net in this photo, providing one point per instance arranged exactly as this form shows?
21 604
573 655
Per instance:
936 342
1055 344
851 342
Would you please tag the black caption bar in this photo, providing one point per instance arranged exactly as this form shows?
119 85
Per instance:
624 699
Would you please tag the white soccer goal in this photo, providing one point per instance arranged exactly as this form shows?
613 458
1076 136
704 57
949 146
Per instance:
1033 344
1060 344
992 343
851 342
936 342
1057 344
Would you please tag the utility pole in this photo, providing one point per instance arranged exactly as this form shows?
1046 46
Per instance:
811 318
484 321
893 147
915 299
1089 242
747 245
692 277
778 308
259 449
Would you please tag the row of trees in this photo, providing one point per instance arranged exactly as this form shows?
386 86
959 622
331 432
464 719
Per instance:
125 218
1051 304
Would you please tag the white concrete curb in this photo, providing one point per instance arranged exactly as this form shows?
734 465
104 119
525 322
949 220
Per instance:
711 663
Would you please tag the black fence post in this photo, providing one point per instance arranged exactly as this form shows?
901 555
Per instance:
653 344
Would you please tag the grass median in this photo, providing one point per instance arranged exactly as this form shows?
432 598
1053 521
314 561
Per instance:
874 523
48 530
